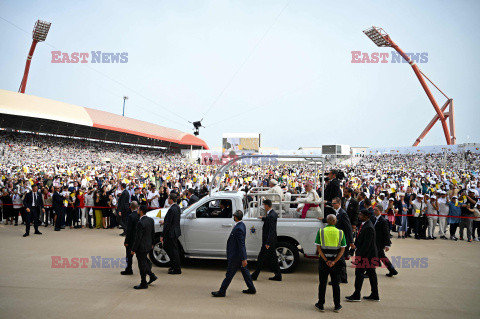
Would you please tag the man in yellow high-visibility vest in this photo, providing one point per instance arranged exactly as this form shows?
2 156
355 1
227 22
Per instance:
331 245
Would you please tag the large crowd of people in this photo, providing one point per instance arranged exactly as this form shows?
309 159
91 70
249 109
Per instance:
415 191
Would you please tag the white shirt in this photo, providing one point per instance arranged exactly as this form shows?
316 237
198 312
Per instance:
347 202
34 197
154 202
442 206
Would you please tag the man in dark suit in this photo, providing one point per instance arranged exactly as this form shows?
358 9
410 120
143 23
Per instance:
382 235
350 205
237 258
344 224
142 245
33 203
57 205
269 243
171 232
123 207
360 199
132 221
366 258
136 196
332 190
192 198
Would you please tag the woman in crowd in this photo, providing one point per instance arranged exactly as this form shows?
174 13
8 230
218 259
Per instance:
7 205
104 203
47 203
98 211
402 219
391 211
17 205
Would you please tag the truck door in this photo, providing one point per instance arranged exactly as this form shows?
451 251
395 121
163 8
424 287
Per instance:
253 240
207 234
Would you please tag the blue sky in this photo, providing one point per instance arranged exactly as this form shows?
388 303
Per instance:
281 68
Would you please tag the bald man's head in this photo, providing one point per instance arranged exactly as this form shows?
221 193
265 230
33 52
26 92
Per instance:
331 219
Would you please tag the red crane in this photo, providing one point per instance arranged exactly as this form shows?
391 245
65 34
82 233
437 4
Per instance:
382 39
39 34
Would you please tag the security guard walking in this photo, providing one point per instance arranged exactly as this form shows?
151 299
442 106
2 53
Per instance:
331 245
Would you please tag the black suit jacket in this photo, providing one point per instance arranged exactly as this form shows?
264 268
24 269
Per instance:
171 227
132 221
28 200
57 201
382 234
332 190
123 202
365 243
144 235
269 230
343 223
236 243
135 198
352 210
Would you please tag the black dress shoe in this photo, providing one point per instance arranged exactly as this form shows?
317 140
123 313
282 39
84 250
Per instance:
174 272
319 307
38 233
371 298
123 235
141 286
218 294
353 298
275 278
25 235
392 273
152 278
249 291
57 229
126 272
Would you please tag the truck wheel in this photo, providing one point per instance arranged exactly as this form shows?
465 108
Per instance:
288 257
159 256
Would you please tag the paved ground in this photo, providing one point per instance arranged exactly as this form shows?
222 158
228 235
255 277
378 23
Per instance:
30 288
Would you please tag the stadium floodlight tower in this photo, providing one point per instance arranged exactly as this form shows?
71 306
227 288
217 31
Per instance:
40 31
382 39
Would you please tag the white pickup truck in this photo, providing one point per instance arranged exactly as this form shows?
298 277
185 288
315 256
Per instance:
205 231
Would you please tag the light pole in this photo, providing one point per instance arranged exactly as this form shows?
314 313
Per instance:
39 34
124 99
382 39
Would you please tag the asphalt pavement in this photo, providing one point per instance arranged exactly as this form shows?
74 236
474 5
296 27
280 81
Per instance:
32 285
